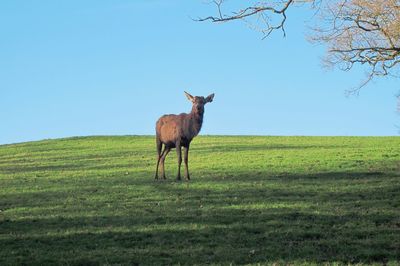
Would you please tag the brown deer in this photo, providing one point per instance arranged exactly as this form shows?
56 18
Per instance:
176 131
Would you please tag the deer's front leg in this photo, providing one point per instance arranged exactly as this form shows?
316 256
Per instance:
179 155
186 159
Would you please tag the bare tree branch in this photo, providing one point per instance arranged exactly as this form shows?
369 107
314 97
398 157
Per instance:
356 32
260 9
364 32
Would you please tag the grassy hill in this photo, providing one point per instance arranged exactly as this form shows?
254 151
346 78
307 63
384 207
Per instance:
93 200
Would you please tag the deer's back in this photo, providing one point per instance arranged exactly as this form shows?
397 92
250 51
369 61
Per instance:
171 128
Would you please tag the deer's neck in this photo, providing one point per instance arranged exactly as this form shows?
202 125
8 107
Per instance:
196 120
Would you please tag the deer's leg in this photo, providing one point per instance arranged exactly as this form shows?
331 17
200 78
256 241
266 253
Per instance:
165 153
186 158
160 154
179 155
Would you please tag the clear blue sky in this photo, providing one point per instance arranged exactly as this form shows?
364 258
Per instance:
94 67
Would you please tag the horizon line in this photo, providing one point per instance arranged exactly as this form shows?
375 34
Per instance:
205 135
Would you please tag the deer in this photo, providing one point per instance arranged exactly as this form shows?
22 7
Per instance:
177 131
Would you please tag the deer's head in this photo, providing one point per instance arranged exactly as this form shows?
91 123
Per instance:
199 101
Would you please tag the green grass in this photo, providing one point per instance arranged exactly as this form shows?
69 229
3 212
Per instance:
285 200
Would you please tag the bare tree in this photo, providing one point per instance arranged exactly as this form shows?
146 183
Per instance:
356 32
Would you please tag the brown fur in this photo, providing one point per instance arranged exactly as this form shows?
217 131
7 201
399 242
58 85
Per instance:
176 131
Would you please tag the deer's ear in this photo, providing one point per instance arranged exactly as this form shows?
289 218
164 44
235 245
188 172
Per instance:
190 97
210 98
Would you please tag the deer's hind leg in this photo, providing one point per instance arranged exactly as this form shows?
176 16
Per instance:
160 154
164 154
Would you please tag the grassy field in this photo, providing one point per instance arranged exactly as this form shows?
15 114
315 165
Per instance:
297 200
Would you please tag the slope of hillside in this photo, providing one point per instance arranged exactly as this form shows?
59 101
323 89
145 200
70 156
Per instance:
93 200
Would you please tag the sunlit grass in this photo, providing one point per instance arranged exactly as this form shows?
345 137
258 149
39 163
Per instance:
299 200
